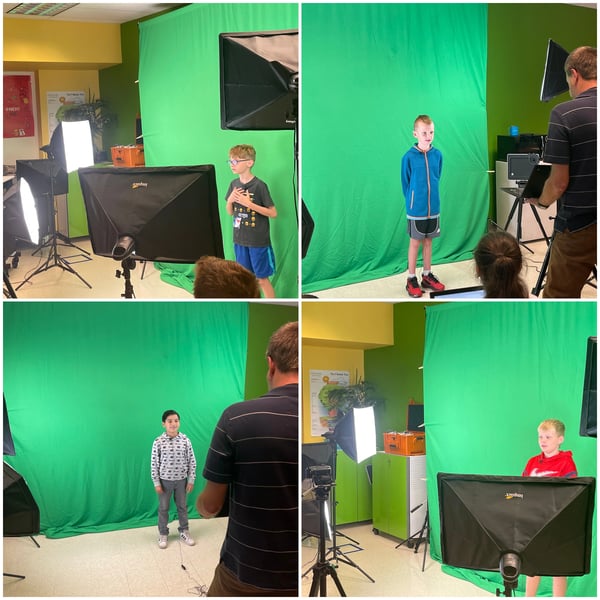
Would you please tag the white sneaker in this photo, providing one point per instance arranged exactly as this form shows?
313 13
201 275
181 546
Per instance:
162 541
185 536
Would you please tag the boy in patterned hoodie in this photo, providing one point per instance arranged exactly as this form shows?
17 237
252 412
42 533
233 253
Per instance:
173 470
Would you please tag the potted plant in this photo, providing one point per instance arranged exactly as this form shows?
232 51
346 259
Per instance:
340 399
97 113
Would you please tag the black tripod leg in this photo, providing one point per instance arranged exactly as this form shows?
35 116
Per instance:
540 280
343 558
336 579
536 214
15 576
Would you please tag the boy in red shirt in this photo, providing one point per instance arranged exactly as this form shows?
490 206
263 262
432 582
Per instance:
552 462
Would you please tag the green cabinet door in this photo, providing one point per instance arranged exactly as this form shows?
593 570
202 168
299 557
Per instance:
352 491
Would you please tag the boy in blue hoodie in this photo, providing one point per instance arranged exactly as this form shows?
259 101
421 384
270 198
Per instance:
421 171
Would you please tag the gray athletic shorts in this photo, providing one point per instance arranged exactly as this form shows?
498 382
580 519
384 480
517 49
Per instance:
419 229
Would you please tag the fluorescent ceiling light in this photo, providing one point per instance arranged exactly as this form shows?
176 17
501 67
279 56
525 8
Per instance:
40 10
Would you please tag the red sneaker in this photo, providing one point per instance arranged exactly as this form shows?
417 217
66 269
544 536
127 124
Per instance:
412 287
432 282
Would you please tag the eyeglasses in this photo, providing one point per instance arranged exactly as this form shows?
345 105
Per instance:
234 162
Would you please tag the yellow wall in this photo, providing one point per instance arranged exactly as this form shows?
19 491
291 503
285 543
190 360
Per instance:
59 44
334 337
325 357
348 324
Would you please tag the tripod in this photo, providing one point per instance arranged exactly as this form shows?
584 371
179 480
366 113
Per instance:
127 265
518 208
335 550
420 537
54 258
323 567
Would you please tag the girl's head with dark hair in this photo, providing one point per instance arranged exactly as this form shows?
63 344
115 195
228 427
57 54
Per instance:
498 261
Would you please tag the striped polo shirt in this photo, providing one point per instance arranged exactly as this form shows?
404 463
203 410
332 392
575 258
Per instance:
255 449
572 141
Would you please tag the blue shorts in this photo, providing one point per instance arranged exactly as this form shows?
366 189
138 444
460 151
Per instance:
261 261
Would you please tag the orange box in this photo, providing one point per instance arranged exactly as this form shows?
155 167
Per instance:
128 156
407 443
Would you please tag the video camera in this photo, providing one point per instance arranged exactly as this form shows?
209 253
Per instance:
320 475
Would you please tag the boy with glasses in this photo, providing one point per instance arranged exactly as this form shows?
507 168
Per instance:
249 203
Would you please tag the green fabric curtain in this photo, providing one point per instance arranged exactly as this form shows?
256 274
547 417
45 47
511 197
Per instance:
367 71
180 104
86 385
492 373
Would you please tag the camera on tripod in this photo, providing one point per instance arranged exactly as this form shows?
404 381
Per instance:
320 475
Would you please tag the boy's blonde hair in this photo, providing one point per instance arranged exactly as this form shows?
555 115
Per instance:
424 119
243 151
558 426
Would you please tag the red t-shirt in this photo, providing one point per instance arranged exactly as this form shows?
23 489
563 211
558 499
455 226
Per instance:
559 465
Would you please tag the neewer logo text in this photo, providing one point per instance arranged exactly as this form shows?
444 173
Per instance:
511 495
135 186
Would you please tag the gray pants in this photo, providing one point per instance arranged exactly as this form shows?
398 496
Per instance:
165 501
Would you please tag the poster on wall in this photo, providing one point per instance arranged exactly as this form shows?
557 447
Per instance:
54 100
18 107
321 414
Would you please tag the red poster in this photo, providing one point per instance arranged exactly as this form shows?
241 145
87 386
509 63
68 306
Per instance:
18 106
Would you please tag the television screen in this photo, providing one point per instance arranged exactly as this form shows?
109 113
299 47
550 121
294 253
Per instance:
554 81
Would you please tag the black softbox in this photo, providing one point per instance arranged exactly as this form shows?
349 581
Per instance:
170 213
259 80
588 426
554 81
46 179
545 521
21 512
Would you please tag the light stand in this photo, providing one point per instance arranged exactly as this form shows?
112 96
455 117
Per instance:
335 551
421 536
39 174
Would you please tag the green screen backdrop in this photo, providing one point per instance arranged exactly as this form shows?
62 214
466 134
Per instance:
367 71
86 385
180 107
492 373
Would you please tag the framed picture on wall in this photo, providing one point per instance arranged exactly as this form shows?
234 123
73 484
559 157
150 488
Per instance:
19 119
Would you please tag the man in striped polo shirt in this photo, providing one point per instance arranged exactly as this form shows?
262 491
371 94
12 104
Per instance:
254 455
571 148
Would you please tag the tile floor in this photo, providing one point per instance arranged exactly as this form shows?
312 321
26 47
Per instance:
453 275
397 572
98 271
129 563
118 563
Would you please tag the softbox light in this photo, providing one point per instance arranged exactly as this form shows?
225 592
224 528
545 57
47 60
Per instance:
588 425
21 512
39 181
167 214
355 433
554 81
71 145
259 80
308 227
545 521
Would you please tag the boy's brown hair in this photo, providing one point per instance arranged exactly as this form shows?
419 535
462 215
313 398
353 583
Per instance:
558 426
219 278
424 119
244 151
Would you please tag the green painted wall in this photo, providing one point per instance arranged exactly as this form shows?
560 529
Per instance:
395 370
264 320
517 40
